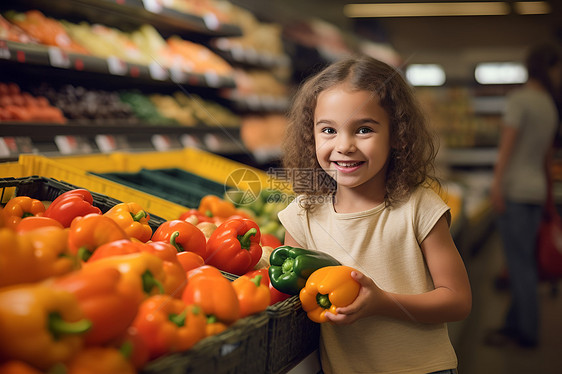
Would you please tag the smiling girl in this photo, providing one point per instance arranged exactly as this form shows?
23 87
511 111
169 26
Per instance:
361 158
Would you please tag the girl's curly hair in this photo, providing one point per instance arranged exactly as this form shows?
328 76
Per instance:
413 151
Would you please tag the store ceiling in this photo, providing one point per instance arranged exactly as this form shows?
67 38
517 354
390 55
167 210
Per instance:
457 43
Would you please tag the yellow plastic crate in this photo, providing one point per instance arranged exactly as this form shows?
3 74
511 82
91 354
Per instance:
202 163
12 169
43 166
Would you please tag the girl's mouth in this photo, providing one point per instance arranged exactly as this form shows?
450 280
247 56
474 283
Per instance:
347 166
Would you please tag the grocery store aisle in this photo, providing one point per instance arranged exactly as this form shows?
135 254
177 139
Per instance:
489 304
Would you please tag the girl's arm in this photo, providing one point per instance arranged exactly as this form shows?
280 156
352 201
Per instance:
451 300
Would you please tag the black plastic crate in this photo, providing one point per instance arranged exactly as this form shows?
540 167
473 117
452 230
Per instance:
48 189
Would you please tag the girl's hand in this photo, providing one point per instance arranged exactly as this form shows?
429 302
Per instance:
366 304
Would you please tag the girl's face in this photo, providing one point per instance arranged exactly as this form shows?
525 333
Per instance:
352 136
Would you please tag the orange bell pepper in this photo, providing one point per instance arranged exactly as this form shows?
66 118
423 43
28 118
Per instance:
169 325
133 347
40 325
33 256
20 207
175 279
184 236
190 260
35 222
275 295
95 360
18 367
326 289
108 303
214 293
253 296
214 206
91 231
143 271
132 219
234 246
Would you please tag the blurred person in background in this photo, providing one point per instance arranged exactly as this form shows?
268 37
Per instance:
519 188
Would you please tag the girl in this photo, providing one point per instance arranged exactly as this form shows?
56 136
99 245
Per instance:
361 158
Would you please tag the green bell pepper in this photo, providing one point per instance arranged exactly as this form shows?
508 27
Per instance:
290 267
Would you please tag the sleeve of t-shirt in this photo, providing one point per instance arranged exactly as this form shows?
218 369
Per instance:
513 112
292 218
429 208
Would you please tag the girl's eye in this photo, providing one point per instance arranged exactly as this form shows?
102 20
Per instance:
364 130
328 130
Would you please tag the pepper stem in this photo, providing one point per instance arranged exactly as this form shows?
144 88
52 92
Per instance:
245 240
173 242
211 318
257 280
84 253
58 326
140 215
178 319
149 282
323 300
288 265
27 214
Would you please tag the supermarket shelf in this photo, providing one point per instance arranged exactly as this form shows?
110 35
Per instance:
457 157
134 12
53 57
248 56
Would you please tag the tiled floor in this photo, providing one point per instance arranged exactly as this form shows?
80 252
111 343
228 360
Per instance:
489 305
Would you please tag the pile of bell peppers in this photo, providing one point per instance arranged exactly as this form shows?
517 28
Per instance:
101 292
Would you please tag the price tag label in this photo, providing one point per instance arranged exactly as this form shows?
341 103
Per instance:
154 6
211 21
252 56
68 144
254 102
190 141
111 143
157 72
212 79
58 58
116 66
161 142
177 75
5 148
4 50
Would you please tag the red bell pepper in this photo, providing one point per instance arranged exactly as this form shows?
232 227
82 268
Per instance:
190 260
276 295
71 204
108 303
91 231
194 216
270 240
182 235
234 246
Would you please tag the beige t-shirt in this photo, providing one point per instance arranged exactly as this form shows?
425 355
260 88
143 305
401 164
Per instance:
384 244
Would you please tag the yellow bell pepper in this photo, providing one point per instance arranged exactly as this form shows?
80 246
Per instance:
133 219
33 256
326 289
40 325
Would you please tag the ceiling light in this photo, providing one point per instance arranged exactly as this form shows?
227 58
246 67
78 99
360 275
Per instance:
426 9
500 73
532 7
425 75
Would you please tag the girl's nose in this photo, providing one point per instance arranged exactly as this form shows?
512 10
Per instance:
345 144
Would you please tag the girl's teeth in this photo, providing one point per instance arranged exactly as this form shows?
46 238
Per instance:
347 164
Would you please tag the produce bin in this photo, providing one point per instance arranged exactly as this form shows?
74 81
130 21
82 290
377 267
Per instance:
291 335
175 185
242 348
47 189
